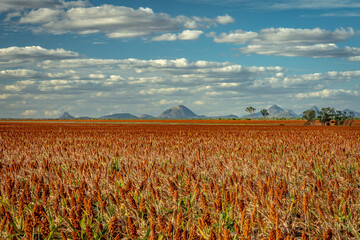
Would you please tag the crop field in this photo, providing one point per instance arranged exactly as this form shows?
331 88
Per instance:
189 180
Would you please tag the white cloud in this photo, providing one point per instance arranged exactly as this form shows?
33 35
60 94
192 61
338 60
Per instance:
51 113
7 5
199 102
117 21
16 5
14 88
104 83
314 80
225 19
5 96
292 42
28 113
288 36
284 4
164 91
42 15
328 93
320 4
33 53
97 76
302 36
11 74
329 50
341 14
356 58
167 102
17 73
237 37
184 35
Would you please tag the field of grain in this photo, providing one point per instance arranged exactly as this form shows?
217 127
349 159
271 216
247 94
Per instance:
96 180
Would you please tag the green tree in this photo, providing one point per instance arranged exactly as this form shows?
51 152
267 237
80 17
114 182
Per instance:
250 110
310 116
349 119
326 115
340 118
265 113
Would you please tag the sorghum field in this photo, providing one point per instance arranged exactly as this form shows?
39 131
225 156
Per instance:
64 180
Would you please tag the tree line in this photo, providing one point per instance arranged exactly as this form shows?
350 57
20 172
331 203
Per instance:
327 116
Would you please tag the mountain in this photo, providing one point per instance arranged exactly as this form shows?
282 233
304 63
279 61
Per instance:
146 116
230 116
66 116
315 108
347 111
275 112
179 111
119 116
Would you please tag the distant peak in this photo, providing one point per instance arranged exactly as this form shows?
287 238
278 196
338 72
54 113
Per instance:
179 106
179 111
66 115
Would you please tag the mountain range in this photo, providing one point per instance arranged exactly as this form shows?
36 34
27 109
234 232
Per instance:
182 112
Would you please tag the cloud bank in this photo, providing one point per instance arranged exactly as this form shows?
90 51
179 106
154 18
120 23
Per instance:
290 42
117 21
56 80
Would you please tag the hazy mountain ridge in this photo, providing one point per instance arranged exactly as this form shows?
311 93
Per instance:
182 112
274 112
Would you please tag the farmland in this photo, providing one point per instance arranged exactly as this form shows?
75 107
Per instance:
188 180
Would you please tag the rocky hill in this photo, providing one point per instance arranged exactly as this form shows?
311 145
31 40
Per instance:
146 116
179 111
66 116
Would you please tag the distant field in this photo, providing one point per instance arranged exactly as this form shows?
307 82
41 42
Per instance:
182 121
178 179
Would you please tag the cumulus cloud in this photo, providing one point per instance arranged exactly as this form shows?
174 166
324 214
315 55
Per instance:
315 51
164 91
17 73
7 5
236 37
52 113
59 78
225 19
292 42
184 35
30 112
179 67
167 102
16 5
33 53
279 36
328 93
314 80
116 21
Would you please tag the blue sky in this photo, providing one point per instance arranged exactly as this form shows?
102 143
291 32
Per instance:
93 58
